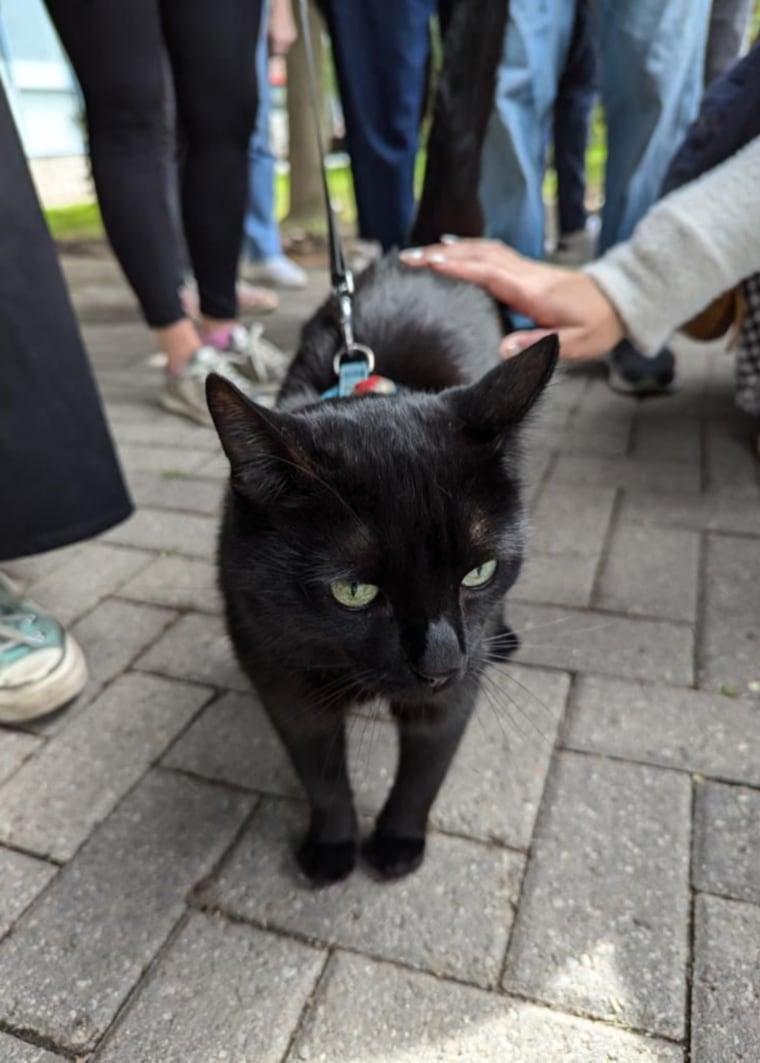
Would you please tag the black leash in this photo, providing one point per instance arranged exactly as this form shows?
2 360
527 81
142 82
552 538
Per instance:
361 358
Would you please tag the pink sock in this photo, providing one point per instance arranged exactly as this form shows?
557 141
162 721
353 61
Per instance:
218 337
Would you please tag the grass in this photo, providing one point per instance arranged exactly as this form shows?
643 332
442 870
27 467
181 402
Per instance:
341 193
596 161
83 222
80 222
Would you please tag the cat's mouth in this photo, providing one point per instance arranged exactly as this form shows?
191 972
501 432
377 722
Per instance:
420 688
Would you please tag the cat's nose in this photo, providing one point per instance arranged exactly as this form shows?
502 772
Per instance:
443 658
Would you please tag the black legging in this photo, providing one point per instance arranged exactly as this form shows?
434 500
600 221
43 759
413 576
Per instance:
115 47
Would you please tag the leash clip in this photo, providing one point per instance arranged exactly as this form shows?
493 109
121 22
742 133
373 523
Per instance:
352 366
355 362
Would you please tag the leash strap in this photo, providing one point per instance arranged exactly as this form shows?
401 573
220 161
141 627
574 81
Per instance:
342 279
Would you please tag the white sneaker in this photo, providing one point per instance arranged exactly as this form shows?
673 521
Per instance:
577 248
185 392
41 666
279 270
258 358
267 363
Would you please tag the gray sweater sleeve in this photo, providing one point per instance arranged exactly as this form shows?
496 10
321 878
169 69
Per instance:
693 245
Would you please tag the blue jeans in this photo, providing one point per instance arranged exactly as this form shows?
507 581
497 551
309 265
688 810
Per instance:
261 236
381 50
651 55
572 117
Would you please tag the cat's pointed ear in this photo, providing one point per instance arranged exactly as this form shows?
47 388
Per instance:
497 403
262 445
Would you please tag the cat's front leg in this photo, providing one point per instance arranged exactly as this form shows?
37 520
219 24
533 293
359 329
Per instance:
316 742
428 740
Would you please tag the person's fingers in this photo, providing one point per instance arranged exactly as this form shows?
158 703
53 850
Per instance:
575 344
499 283
505 286
480 250
516 342
452 249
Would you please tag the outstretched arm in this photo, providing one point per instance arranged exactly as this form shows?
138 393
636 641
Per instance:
693 245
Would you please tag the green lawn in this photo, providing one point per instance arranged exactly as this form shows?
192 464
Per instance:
81 222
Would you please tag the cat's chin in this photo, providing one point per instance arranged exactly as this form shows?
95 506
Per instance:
419 694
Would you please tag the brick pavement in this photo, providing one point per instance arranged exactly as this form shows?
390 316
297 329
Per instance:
592 889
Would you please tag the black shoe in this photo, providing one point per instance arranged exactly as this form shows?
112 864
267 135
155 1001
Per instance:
634 373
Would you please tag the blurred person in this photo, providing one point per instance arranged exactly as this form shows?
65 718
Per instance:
250 299
638 289
60 481
571 122
116 50
651 58
381 50
729 21
263 259
631 370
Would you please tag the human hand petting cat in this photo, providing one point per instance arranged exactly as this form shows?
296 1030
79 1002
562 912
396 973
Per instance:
558 300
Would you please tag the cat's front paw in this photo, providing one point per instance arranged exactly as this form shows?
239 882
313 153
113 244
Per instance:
393 857
326 862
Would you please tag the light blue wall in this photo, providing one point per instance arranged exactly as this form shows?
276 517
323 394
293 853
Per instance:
41 88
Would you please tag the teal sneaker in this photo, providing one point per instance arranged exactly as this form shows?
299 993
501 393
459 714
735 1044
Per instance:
41 667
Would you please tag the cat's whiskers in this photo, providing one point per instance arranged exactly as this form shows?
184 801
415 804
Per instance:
525 715
505 639
318 709
339 689
336 691
494 698
489 685
488 694
536 627
502 667
370 720
340 727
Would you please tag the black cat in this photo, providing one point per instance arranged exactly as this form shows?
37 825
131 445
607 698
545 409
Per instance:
368 542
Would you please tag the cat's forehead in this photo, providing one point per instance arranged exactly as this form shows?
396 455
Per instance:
404 472
384 430
417 507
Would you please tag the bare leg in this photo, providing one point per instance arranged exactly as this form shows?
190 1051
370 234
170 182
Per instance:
178 342
215 324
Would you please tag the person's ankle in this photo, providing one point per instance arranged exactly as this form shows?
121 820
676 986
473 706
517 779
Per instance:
218 336
179 342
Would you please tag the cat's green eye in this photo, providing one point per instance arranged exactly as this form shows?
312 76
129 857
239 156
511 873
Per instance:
353 595
478 577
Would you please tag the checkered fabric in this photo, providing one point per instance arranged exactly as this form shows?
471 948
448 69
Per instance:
748 351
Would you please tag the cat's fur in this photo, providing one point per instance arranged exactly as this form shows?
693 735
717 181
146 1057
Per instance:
408 493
